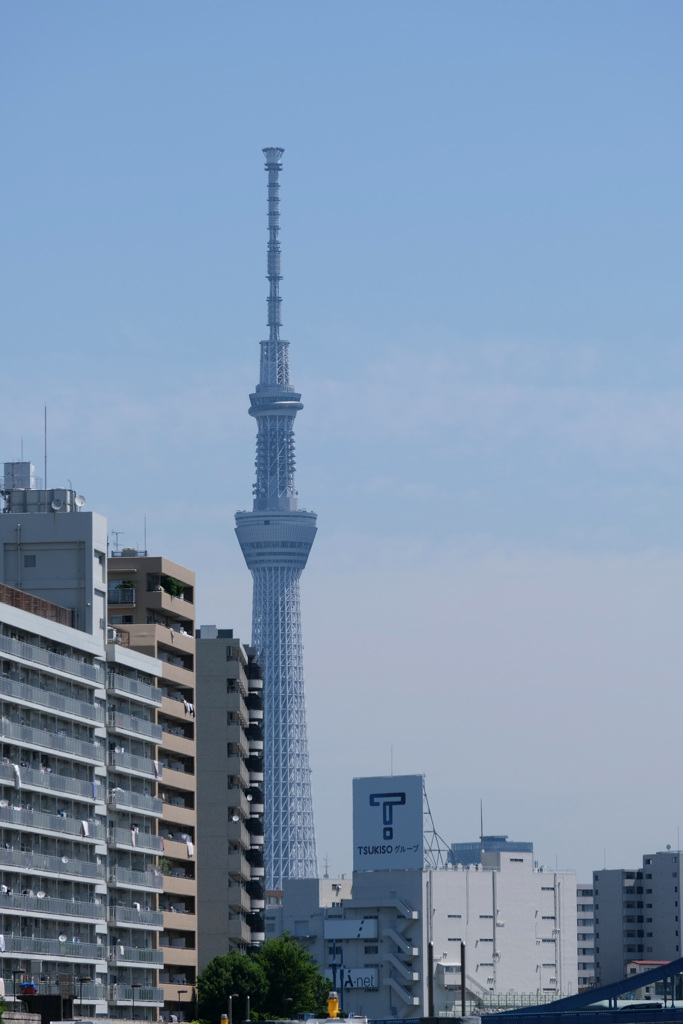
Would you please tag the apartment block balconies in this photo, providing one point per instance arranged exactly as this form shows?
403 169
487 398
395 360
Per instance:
121 956
133 917
48 741
91 672
124 686
42 863
127 800
55 949
15 903
129 878
133 764
129 725
41 823
130 839
30 778
26 693
144 995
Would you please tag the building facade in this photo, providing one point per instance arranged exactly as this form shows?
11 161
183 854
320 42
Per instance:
637 915
276 537
230 810
151 604
585 938
79 875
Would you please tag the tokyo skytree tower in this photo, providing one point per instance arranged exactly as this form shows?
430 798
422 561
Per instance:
275 538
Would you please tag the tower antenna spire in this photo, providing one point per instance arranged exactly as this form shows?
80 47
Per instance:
273 155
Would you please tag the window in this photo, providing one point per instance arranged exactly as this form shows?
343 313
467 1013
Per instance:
371 949
29 561
228 653
516 860
485 940
121 620
547 888
545 940
486 917
458 939
455 915
548 917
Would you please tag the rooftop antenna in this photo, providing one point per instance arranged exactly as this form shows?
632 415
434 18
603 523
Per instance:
145 535
45 450
117 534
327 868
391 759
22 449
481 829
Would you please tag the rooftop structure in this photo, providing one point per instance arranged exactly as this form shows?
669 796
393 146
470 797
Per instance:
276 538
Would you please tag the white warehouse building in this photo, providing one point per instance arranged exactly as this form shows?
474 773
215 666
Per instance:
371 934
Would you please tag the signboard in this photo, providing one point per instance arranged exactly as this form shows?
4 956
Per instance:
353 977
388 823
350 928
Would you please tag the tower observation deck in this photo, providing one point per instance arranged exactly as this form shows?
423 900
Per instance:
276 538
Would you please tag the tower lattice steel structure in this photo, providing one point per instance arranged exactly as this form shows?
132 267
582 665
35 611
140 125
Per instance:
276 538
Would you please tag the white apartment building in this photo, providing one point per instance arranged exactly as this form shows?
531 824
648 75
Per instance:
585 938
371 934
79 873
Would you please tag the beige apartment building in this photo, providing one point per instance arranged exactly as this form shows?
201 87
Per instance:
151 604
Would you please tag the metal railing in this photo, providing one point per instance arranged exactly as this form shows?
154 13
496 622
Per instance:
126 798
49 699
144 765
60 662
135 840
121 595
54 947
133 955
124 993
139 726
51 905
88 789
136 687
128 876
129 915
51 740
51 823
55 865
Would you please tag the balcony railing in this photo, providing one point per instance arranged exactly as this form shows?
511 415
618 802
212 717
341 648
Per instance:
49 699
126 799
144 879
35 862
51 905
139 726
60 662
24 944
131 916
85 788
135 840
124 993
121 595
51 741
37 820
135 687
133 955
135 763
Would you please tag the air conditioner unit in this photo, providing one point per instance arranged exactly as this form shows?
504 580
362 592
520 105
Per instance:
111 634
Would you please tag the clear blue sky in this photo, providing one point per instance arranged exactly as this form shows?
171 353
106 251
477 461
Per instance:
482 240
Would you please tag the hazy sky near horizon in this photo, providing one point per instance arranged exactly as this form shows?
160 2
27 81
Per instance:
482 248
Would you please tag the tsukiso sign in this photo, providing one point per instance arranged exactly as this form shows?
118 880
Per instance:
387 823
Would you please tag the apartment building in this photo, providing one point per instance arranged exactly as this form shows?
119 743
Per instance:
151 600
231 803
79 878
637 914
585 937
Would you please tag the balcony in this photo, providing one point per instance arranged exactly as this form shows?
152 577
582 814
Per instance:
45 780
24 945
121 955
128 839
55 701
127 878
237 833
136 918
132 763
237 769
38 821
125 799
10 902
51 741
32 863
238 866
124 994
59 662
122 595
133 726
126 686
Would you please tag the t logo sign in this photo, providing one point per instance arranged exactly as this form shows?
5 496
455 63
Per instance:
387 801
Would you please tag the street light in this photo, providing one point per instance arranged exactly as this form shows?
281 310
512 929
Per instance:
80 994
235 995
134 985
19 970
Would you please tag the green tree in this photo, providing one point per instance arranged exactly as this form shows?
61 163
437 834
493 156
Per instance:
295 985
234 973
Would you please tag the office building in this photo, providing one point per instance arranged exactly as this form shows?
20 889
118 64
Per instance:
230 808
151 601
79 875
517 921
276 537
637 915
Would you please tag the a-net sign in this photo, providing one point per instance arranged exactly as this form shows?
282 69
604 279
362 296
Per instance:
387 823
